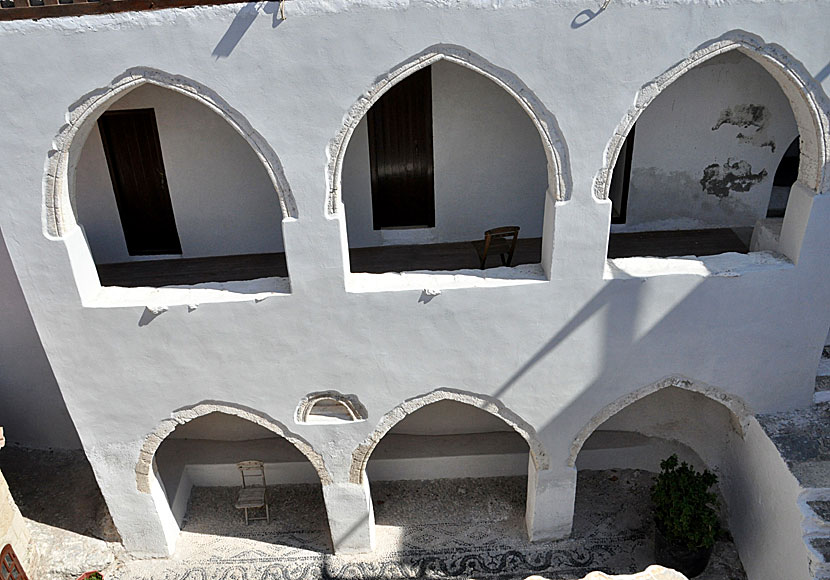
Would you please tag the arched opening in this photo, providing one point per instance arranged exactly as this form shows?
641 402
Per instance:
196 467
618 461
169 194
444 149
697 175
785 176
451 468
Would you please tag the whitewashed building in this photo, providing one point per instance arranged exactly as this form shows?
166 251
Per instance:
238 227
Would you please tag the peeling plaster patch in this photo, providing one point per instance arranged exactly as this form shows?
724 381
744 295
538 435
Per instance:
720 180
153 441
360 456
744 116
739 411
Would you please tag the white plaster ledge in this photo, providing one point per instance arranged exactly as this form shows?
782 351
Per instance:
726 265
432 282
158 299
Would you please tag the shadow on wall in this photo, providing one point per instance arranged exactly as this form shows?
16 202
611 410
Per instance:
35 414
243 21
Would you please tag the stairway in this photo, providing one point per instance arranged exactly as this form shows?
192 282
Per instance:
803 439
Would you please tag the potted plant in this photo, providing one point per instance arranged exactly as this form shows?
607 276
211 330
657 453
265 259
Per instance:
94 575
686 521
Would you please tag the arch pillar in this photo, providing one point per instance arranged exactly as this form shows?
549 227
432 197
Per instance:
551 494
144 521
351 516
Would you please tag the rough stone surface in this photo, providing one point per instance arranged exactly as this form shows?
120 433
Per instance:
803 439
822 509
822 546
64 512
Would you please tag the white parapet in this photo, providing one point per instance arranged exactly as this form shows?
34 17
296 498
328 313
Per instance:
650 573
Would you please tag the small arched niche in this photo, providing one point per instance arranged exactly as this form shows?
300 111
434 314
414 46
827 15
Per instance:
330 408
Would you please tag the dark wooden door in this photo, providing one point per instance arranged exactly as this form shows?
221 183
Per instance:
400 154
133 151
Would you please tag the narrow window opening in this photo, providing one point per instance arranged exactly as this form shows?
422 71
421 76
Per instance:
400 155
133 152
785 176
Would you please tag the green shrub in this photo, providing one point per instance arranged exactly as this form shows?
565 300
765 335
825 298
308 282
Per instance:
684 508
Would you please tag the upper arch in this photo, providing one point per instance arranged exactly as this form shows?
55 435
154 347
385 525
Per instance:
559 181
738 408
360 456
58 216
810 105
144 466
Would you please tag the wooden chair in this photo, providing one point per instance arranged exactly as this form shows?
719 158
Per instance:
498 240
253 493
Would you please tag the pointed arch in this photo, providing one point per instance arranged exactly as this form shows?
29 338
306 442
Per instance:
361 455
58 185
559 181
738 409
810 105
144 466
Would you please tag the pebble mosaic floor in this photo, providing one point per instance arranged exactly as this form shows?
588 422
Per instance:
462 528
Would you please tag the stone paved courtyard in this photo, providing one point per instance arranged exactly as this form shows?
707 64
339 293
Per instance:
467 528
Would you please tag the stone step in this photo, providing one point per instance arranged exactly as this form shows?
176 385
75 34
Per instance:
824 363
802 437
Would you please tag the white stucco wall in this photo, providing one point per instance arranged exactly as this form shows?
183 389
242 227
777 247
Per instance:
490 168
676 140
31 405
223 201
552 352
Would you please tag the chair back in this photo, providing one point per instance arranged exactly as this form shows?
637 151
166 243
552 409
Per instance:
253 473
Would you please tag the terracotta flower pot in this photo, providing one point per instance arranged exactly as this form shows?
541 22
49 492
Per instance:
689 562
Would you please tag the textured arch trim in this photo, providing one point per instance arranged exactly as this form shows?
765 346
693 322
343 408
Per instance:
810 105
58 216
738 408
144 466
559 181
360 456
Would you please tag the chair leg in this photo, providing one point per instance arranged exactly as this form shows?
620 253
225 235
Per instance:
246 516
267 515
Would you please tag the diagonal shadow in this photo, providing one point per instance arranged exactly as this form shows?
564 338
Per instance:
240 25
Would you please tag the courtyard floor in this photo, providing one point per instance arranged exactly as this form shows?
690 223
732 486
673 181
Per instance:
463 528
